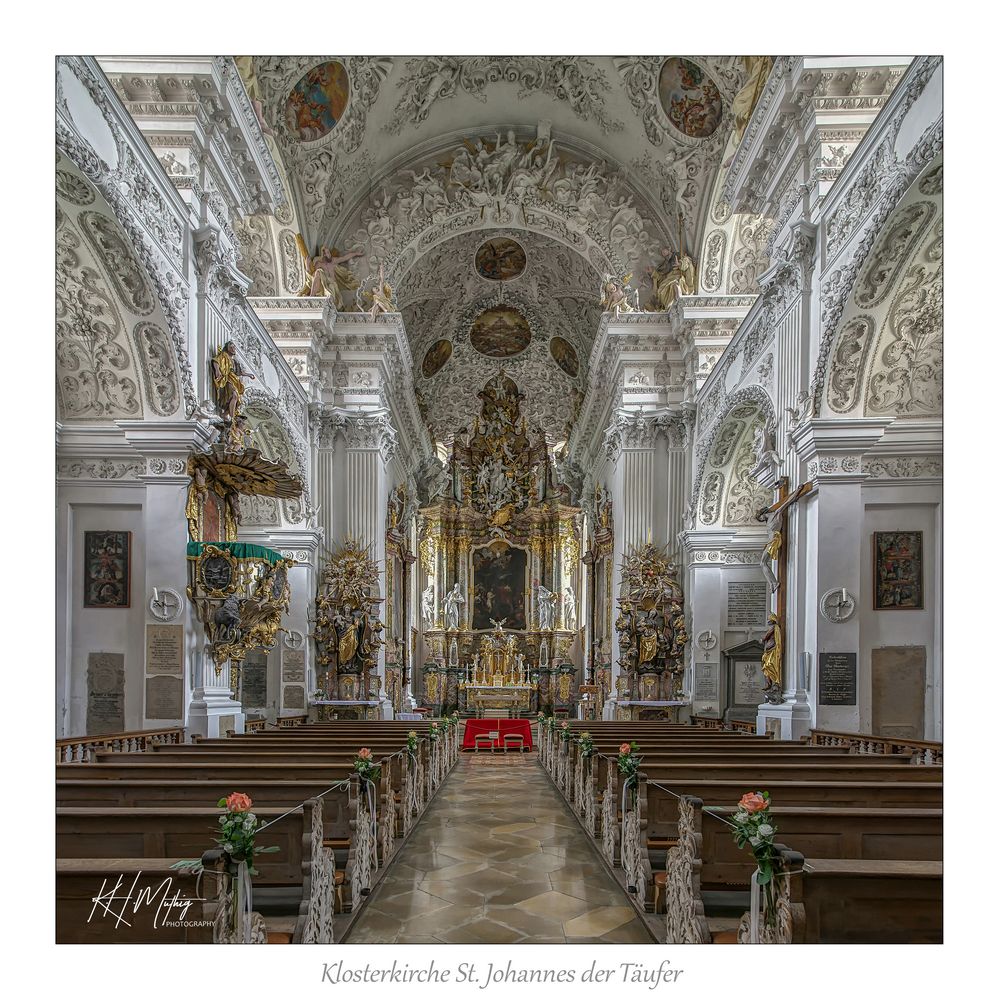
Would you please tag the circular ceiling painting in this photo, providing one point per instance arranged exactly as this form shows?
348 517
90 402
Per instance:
565 356
500 332
436 358
689 97
500 259
317 101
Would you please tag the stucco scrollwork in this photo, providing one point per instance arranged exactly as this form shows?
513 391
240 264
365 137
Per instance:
432 79
125 273
94 366
159 368
908 376
849 363
890 253
711 496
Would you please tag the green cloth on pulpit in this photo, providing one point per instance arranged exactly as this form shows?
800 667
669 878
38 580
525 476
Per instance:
238 550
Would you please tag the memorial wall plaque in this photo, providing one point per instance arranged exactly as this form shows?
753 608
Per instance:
293 666
294 697
837 678
254 673
747 682
165 649
164 697
898 691
105 693
748 604
226 722
706 682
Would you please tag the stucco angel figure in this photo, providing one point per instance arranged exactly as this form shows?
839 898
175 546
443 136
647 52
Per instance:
452 608
569 608
546 606
427 601
676 276
327 272
614 294
382 297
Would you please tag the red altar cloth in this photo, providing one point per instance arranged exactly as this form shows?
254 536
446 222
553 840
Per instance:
520 727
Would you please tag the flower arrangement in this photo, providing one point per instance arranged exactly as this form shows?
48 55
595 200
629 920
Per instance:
586 748
434 731
412 741
628 763
754 827
565 733
365 766
238 829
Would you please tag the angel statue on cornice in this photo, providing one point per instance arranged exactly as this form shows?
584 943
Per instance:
327 273
614 294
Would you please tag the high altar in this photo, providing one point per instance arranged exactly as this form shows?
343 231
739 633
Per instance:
499 551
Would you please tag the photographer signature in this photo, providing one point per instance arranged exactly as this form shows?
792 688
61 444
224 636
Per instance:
119 900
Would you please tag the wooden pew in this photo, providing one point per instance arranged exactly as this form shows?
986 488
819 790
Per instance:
301 863
864 902
79 920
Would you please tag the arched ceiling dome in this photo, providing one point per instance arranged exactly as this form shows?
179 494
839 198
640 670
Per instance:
445 298
634 142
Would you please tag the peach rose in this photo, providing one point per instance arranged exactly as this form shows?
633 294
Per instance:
238 802
752 802
624 748
364 753
565 725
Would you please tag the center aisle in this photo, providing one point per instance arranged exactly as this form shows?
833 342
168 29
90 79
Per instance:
498 858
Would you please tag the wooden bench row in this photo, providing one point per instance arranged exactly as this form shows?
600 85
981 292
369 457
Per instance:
869 808
158 805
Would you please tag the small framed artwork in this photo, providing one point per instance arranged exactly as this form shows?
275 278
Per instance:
898 570
107 569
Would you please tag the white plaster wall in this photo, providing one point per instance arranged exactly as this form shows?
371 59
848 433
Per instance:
93 630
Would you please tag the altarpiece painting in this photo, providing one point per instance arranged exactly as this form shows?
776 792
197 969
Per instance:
500 585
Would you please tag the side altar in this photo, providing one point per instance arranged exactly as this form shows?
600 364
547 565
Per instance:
499 568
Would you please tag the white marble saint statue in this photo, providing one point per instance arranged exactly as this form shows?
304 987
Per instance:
569 608
546 607
428 605
452 608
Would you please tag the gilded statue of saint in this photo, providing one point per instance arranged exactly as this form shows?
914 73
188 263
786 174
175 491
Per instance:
648 647
227 382
772 653
193 509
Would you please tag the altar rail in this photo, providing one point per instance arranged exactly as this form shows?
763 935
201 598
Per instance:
919 751
80 749
290 721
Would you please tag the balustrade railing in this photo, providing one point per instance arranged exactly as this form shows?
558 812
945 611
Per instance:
80 749
918 751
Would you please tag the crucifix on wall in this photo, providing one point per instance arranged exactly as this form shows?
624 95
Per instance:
774 565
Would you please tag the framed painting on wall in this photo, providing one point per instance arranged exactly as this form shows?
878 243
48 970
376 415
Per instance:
107 569
898 570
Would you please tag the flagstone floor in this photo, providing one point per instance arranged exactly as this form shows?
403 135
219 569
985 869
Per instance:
498 858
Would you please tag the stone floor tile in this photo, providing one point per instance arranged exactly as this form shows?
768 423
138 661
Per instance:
599 921
498 858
